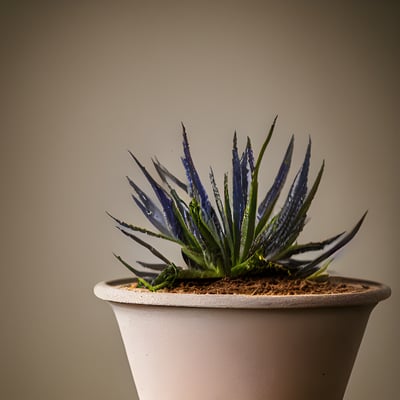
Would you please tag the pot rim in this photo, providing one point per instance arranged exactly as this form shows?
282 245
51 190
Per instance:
372 293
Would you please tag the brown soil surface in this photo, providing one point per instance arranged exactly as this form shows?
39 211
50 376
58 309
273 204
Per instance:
263 286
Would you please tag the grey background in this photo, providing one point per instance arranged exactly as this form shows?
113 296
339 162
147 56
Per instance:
81 82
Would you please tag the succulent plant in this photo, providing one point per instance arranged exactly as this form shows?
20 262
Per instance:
231 235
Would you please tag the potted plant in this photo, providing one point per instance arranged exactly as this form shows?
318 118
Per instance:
248 313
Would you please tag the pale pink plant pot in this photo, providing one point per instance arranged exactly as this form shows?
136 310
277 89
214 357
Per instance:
237 347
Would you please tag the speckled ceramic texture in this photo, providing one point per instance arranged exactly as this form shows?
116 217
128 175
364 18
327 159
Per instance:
234 347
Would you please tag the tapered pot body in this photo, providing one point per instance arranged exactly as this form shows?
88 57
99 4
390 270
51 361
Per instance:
227 347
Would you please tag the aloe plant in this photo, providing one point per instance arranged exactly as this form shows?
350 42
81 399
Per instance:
232 234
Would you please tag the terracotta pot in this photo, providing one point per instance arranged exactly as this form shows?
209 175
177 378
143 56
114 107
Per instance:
234 347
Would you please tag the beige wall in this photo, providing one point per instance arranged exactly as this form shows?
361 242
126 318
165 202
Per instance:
84 81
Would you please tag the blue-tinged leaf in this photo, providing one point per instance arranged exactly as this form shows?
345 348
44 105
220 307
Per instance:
196 187
267 205
165 176
246 173
250 155
163 198
298 223
150 209
197 190
155 216
237 200
283 227
280 243
298 191
190 184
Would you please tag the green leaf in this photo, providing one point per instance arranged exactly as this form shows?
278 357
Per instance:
138 273
227 234
228 215
310 268
148 246
148 232
214 245
304 248
249 219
